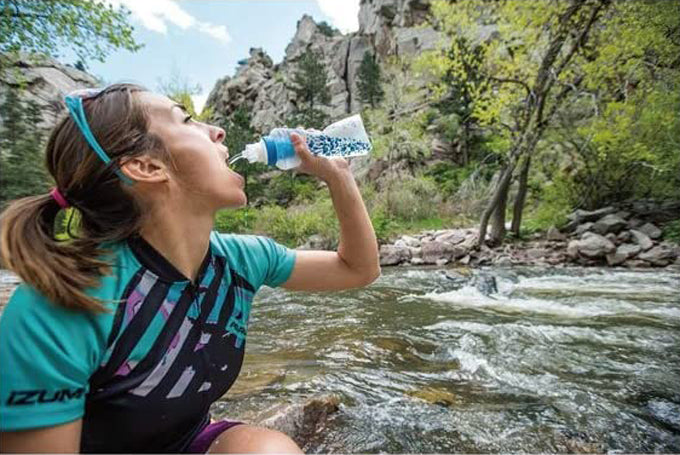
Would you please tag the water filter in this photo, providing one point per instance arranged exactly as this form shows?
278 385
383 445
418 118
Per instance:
344 138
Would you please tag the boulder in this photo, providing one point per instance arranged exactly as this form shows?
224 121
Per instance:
650 230
434 250
302 421
642 239
659 255
628 250
454 237
555 235
609 224
582 228
410 241
393 255
594 246
582 216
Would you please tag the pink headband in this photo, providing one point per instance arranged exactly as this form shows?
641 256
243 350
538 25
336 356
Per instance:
57 196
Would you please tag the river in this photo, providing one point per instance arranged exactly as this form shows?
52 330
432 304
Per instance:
557 360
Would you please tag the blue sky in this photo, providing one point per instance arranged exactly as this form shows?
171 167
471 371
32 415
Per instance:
202 40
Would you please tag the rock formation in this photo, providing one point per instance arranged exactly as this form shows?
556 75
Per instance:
386 28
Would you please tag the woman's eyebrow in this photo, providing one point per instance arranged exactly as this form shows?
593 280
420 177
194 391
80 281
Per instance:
181 107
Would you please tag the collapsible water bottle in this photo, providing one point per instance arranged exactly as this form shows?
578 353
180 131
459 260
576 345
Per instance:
344 138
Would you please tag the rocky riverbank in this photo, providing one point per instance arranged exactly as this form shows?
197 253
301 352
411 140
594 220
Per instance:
628 235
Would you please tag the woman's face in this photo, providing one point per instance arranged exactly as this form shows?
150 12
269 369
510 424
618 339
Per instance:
200 173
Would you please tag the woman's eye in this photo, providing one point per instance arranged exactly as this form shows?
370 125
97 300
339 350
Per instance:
187 119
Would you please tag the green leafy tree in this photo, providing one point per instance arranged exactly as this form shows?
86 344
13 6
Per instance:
91 28
326 29
369 81
22 167
310 86
239 132
533 67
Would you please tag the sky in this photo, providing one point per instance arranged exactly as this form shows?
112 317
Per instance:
200 41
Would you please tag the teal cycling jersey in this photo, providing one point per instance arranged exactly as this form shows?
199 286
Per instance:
143 376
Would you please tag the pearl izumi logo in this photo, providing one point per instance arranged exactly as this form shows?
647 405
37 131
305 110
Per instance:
22 397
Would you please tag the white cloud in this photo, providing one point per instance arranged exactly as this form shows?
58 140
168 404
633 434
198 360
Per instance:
156 14
344 14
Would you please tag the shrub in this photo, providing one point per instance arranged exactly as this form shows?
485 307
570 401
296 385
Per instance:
237 221
412 198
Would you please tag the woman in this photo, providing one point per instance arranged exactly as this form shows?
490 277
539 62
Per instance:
120 340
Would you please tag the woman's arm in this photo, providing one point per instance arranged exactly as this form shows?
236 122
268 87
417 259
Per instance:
57 439
356 262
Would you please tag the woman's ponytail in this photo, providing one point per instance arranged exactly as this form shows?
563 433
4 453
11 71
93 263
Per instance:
59 270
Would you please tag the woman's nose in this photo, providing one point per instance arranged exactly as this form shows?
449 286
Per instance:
217 134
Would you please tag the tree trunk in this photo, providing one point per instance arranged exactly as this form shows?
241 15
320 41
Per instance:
518 208
500 196
498 217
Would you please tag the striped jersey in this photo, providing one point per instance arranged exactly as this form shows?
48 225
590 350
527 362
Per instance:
143 376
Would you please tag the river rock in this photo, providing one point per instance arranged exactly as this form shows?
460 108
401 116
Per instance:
410 241
609 224
435 396
393 255
659 255
555 235
624 236
642 239
628 249
582 216
454 237
302 421
582 228
650 230
594 245
434 250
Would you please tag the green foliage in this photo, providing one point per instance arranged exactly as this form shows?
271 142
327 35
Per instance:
91 28
310 86
671 232
448 177
22 162
326 29
369 80
287 187
236 221
553 207
411 198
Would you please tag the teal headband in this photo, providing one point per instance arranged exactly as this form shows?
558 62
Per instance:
75 106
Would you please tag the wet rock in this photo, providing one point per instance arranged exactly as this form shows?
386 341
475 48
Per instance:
611 237
440 262
623 214
642 239
435 396
393 255
537 253
301 422
650 230
594 246
503 261
609 223
417 261
485 284
555 235
659 255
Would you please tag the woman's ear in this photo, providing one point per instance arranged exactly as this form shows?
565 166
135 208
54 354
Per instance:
145 169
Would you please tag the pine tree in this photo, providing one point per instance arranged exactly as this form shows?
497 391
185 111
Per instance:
310 85
22 163
369 81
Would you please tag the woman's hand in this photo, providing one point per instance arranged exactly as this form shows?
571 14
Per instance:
323 168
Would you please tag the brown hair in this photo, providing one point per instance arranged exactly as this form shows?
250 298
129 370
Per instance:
62 270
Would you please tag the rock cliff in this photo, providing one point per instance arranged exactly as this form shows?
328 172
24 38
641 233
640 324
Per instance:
44 82
386 28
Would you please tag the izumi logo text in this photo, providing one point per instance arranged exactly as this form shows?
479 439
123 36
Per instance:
43 396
